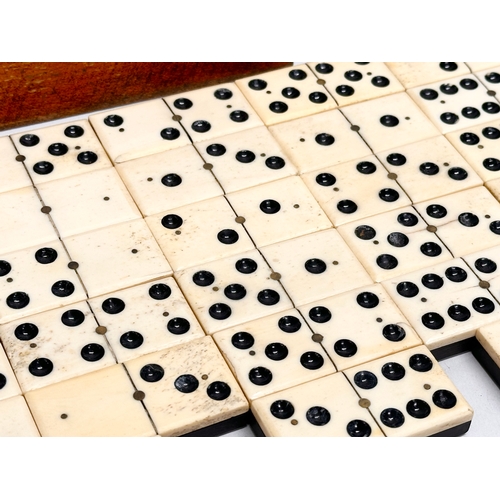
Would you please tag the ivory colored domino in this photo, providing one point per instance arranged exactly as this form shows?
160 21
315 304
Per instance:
352 82
273 353
315 266
201 232
456 103
480 146
476 67
328 407
278 211
466 222
16 419
354 190
89 201
410 395
394 243
23 224
390 121
359 325
232 291
429 168
168 180
103 403
36 279
9 386
61 151
138 130
55 345
319 141
245 159
489 338
445 303
145 318
286 94
14 175
413 74
196 383
213 111
117 257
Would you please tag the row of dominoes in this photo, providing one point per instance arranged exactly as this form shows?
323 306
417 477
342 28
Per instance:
264 238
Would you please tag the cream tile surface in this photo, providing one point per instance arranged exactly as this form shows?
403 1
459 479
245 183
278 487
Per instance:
61 151
412 396
352 82
414 74
138 130
16 419
168 180
273 353
213 111
319 141
328 407
14 175
354 190
99 404
145 318
196 382
37 279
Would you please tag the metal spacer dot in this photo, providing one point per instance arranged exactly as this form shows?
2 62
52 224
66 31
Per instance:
355 128
484 284
275 276
208 166
64 416
46 210
101 330
204 376
294 422
392 176
177 118
320 81
427 387
73 265
240 220
317 337
432 229
364 403
20 158
139 395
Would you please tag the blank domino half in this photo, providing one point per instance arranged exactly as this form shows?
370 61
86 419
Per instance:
268 251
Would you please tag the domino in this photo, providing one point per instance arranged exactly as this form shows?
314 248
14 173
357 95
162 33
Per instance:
480 146
445 304
350 82
390 122
146 318
359 325
408 394
429 168
394 243
328 407
489 77
103 403
213 111
315 266
168 180
354 190
414 74
89 201
466 221
278 210
37 279
453 104
246 159
138 130
196 382
116 257
198 233
319 141
55 345
232 291
61 151
486 266
273 353
286 94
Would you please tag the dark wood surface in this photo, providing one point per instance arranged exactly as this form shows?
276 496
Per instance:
32 93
